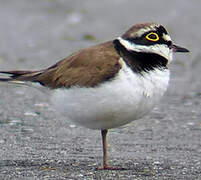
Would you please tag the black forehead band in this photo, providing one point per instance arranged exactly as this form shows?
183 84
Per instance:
159 30
143 41
162 30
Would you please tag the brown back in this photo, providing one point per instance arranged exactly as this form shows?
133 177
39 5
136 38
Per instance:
88 67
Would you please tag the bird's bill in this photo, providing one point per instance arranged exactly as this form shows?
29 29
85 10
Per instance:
176 48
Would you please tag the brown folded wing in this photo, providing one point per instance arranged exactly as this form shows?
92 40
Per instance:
88 67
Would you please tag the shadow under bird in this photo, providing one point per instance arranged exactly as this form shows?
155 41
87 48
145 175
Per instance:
110 84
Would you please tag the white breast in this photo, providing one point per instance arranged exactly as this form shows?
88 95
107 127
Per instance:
115 103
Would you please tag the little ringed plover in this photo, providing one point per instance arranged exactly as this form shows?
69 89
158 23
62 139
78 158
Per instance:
110 84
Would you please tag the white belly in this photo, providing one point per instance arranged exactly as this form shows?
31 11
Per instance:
115 103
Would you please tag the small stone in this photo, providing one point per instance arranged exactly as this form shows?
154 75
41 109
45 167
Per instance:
72 125
30 114
41 105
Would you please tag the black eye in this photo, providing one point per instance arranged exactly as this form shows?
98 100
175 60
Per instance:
169 43
152 36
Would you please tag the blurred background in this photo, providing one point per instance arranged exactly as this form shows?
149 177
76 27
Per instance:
36 34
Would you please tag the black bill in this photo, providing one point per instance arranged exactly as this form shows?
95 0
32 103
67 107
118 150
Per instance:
176 48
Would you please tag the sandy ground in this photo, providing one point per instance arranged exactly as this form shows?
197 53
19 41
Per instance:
38 144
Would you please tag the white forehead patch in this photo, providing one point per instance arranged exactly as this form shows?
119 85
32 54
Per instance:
166 37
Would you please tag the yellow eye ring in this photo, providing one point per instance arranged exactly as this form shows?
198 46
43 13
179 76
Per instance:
152 37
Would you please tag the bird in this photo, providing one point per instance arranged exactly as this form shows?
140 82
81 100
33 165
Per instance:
110 84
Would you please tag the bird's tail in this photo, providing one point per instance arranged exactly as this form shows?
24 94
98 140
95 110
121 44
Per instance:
19 77
25 78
